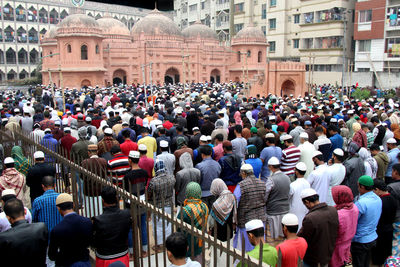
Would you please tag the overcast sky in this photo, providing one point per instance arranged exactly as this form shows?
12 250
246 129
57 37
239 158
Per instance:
161 4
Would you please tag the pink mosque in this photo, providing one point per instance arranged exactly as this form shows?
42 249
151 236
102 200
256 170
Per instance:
83 51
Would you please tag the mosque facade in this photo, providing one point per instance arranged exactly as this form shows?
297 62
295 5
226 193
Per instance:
82 51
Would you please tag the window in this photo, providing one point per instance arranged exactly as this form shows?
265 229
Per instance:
391 16
393 47
69 49
84 52
272 24
238 27
309 17
272 3
365 16
259 57
296 43
239 8
296 18
248 53
193 8
308 43
97 49
328 42
264 29
271 46
203 5
364 45
239 56
263 11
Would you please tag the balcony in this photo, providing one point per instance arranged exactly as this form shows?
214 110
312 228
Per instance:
322 17
322 44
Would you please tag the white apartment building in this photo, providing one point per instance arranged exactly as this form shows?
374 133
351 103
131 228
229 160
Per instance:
24 22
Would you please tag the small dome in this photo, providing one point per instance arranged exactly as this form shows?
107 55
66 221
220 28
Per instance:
113 26
199 29
251 32
79 20
156 23
52 33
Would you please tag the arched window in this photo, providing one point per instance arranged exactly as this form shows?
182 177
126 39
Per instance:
259 56
97 49
248 53
84 52
69 49
238 56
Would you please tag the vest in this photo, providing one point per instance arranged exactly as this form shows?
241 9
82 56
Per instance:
278 199
252 201
381 134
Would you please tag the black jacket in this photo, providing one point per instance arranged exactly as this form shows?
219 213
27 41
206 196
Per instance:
35 176
70 239
24 244
110 232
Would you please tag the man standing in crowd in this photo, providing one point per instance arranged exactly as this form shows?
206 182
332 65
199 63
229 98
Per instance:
320 178
230 166
168 158
290 156
268 152
296 205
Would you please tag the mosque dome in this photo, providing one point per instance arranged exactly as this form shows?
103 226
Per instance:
156 23
79 20
111 26
250 33
199 29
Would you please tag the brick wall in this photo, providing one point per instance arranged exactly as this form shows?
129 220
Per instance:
378 8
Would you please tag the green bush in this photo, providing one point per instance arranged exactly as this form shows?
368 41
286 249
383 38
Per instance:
361 94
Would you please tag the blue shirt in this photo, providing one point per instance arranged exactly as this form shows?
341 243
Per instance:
370 208
337 142
266 154
257 165
210 169
392 154
44 209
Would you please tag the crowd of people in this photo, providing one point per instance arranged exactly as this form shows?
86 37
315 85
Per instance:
307 177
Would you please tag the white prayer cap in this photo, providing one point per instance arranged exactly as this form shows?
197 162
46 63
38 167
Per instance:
47 130
290 219
308 192
316 153
254 224
304 135
108 130
38 155
338 152
246 167
209 138
301 166
164 143
273 161
286 137
195 129
350 111
203 138
7 192
391 141
16 110
269 135
142 147
134 154
272 118
8 160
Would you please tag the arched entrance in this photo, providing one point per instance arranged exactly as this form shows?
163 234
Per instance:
215 76
287 88
85 83
171 76
119 77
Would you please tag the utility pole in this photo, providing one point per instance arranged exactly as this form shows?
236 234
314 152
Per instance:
151 80
344 50
144 83
184 70
231 19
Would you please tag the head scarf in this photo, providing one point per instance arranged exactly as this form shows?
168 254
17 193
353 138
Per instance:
22 164
365 155
225 203
82 132
396 130
238 118
353 148
159 167
180 141
193 191
343 197
356 127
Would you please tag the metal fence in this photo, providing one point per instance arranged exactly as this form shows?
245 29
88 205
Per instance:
85 186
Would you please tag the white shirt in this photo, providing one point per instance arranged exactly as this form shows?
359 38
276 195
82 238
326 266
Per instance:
296 204
337 172
307 149
319 180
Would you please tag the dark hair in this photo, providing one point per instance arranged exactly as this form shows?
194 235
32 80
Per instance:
46 114
396 167
177 244
271 140
333 128
115 149
312 198
161 130
126 133
374 147
66 206
320 157
111 113
219 137
301 172
280 128
340 158
179 128
8 197
14 208
145 130
10 165
259 232
48 181
292 228
319 129
134 160
109 195
380 184
374 119
238 128
206 150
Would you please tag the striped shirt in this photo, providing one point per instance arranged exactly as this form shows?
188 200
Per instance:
117 167
290 157
44 209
